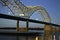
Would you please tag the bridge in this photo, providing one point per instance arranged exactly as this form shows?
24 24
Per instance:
22 13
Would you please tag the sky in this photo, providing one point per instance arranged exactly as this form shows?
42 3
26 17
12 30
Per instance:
52 7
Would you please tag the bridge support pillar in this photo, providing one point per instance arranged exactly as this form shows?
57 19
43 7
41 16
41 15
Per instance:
17 26
47 32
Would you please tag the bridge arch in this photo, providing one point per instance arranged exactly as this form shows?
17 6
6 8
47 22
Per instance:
46 18
42 11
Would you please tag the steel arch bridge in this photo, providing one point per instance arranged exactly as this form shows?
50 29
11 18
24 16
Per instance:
19 9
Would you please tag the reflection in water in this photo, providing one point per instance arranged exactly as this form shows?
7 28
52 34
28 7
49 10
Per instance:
2 37
59 36
54 37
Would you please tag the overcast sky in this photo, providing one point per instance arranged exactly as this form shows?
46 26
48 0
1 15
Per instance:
52 7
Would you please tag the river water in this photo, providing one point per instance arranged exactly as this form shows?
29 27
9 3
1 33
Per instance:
7 37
